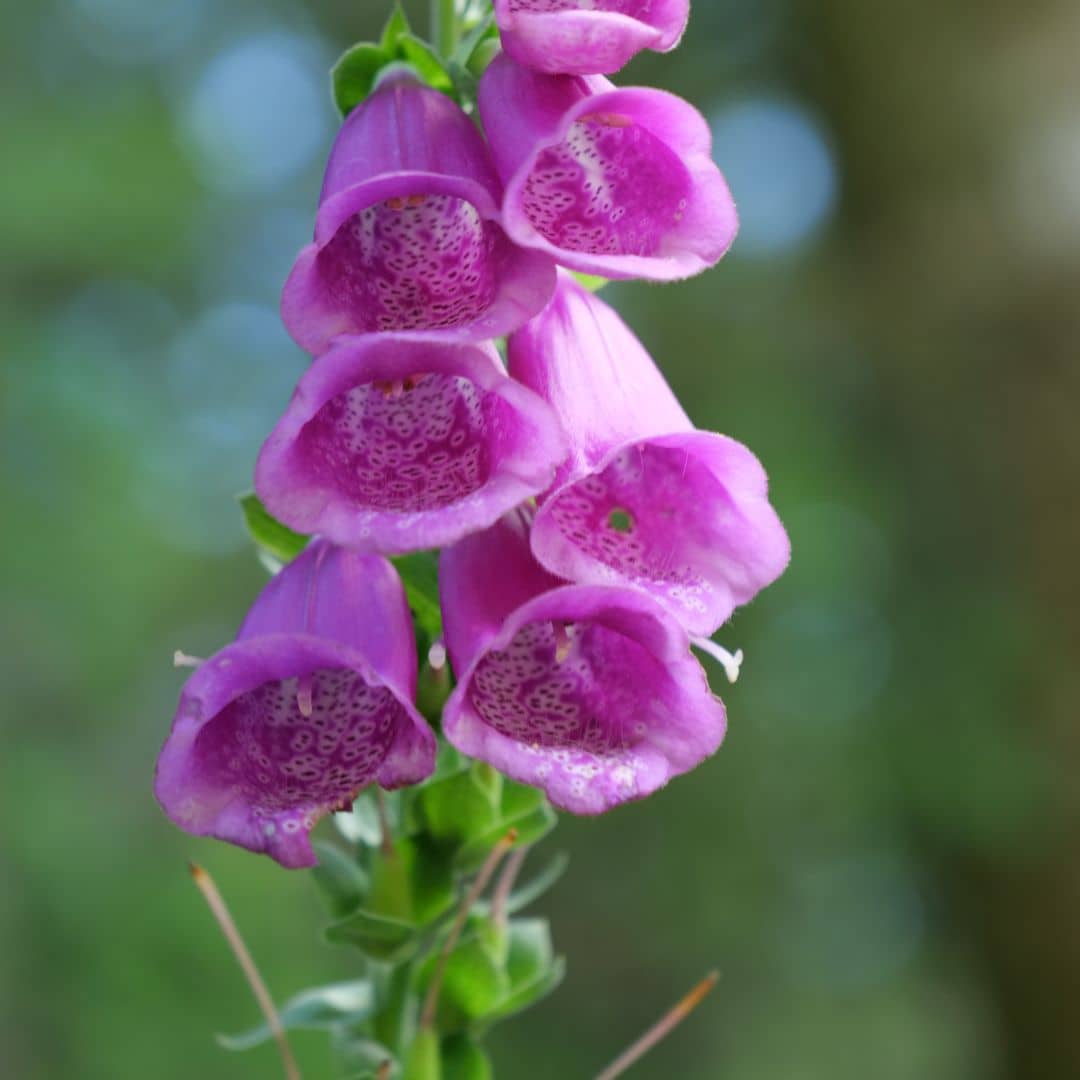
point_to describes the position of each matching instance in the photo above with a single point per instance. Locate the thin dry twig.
(491, 863)
(503, 887)
(216, 903)
(384, 1071)
(659, 1031)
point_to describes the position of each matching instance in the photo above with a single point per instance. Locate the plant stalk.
(444, 27)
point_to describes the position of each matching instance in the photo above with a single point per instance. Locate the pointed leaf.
(422, 1062)
(341, 879)
(321, 1007)
(462, 1059)
(426, 61)
(380, 936)
(396, 25)
(272, 538)
(354, 74)
(522, 808)
(528, 994)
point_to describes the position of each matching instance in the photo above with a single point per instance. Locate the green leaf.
(427, 63)
(528, 994)
(354, 74)
(357, 1055)
(529, 954)
(458, 809)
(590, 281)
(380, 936)
(420, 576)
(522, 808)
(423, 1062)
(484, 30)
(341, 879)
(396, 25)
(462, 1059)
(273, 538)
(321, 1007)
(475, 980)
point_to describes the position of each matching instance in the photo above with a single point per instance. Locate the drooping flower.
(404, 442)
(589, 692)
(644, 499)
(615, 182)
(588, 37)
(407, 235)
(311, 703)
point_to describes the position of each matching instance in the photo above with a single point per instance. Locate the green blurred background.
(882, 861)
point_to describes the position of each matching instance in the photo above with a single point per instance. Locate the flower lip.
(565, 38)
(590, 772)
(399, 443)
(685, 517)
(237, 776)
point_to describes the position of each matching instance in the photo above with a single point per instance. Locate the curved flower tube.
(396, 443)
(608, 181)
(310, 704)
(590, 693)
(408, 234)
(644, 499)
(588, 37)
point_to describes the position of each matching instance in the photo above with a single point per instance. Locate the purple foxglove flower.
(311, 703)
(407, 236)
(644, 499)
(404, 442)
(589, 692)
(588, 37)
(615, 182)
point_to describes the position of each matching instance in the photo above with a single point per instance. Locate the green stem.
(444, 27)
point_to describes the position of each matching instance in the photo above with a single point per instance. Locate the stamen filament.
(731, 662)
(304, 693)
(182, 660)
(563, 642)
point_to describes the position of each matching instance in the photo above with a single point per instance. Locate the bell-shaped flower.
(644, 499)
(589, 692)
(311, 703)
(588, 37)
(407, 235)
(608, 181)
(404, 442)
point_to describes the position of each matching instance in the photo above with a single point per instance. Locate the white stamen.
(436, 656)
(303, 697)
(182, 660)
(731, 663)
(564, 644)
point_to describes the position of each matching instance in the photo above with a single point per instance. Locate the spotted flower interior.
(416, 262)
(300, 746)
(419, 444)
(610, 187)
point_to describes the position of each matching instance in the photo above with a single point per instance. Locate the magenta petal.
(643, 500)
(586, 37)
(408, 235)
(287, 724)
(397, 443)
(589, 693)
(616, 182)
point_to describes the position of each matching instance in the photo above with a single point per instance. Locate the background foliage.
(883, 859)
